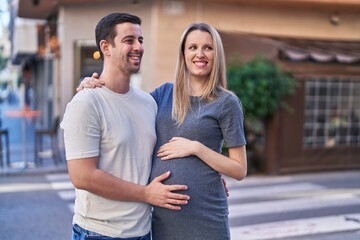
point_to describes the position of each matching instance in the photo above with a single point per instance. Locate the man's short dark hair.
(105, 29)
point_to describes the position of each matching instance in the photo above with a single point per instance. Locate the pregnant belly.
(183, 170)
(205, 188)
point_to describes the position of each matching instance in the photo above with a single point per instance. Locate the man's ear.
(104, 47)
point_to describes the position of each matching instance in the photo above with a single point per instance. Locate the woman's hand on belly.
(233, 165)
(177, 147)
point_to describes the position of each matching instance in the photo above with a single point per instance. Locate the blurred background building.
(317, 40)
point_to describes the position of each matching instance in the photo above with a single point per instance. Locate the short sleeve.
(81, 129)
(155, 94)
(232, 122)
(158, 93)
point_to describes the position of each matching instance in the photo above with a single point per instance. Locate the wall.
(234, 19)
(164, 22)
(78, 23)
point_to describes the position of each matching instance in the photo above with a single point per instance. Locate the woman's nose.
(200, 53)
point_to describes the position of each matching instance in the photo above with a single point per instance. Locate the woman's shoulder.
(227, 96)
(163, 89)
(166, 86)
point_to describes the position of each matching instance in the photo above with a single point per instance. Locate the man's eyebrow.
(128, 36)
(132, 37)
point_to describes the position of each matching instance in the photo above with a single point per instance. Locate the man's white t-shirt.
(120, 129)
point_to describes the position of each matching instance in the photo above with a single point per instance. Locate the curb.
(32, 171)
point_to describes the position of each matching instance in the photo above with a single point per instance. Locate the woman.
(196, 115)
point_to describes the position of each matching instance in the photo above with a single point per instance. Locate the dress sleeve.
(159, 92)
(232, 122)
(81, 127)
(155, 94)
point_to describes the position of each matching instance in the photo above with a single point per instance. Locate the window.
(332, 110)
(84, 63)
(89, 65)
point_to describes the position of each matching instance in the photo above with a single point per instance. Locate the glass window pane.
(332, 112)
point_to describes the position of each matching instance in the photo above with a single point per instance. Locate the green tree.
(261, 86)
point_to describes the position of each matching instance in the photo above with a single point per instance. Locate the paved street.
(319, 206)
(316, 206)
(303, 206)
(32, 209)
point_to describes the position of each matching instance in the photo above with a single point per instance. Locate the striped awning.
(320, 51)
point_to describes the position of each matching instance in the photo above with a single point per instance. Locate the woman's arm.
(234, 166)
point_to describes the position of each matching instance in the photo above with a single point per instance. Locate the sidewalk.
(62, 168)
(17, 164)
(16, 148)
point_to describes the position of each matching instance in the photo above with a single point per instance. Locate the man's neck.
(116, 81)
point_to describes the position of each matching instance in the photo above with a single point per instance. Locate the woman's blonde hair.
(216, 79)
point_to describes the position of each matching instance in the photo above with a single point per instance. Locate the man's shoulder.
(89, 93)
(140, 92)
(81, 106)
(142, 95)
(85, 97)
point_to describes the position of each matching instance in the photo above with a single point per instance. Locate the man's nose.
(138, 46)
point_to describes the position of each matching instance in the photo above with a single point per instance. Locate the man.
(109, 137)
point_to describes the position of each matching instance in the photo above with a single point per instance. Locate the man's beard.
(132, 68)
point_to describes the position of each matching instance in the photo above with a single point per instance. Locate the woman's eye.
(192, 48)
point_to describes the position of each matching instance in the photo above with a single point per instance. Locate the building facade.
(317, 40)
